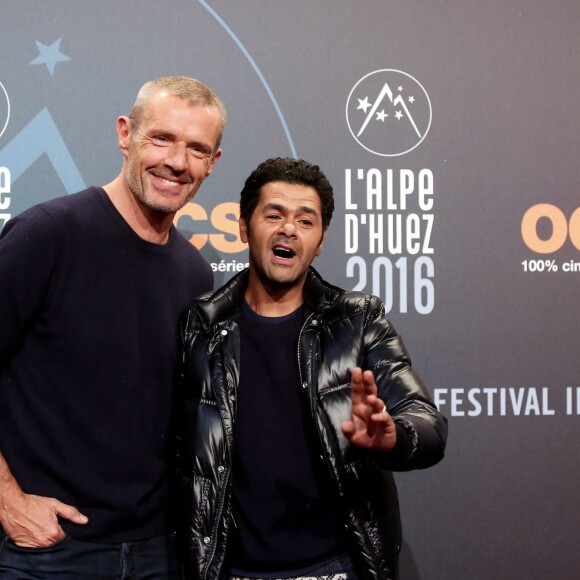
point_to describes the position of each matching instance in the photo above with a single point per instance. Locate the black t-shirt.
(285, 510)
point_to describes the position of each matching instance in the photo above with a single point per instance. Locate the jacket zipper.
(323, 450)
(218, 518)
(303, 383)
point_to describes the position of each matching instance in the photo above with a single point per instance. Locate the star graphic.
(363, 104)
(400, 88)
(398, 114)
(49, 55)
(411, 99)
(381, 116)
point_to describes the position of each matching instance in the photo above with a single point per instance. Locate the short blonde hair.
(192, 90)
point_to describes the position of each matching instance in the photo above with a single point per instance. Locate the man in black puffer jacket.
(296, 401)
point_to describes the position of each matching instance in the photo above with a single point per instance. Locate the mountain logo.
(388, 112)
(4, 109)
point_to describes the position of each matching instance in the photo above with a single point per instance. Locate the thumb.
(71, 513)
(348, 429)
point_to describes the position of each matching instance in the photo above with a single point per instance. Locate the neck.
(273, 301)
(150, 225)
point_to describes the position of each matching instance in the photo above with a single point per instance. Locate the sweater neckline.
(130, 233)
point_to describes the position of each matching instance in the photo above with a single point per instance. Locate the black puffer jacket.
(343, 330)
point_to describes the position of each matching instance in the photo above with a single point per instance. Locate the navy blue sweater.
(286, 518)
(88, 343)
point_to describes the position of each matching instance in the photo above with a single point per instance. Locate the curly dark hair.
(289, 170)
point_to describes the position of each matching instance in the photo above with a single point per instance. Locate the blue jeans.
(70, 559)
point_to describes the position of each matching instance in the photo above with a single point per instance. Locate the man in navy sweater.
(91, 289)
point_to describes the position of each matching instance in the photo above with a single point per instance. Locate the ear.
(243, 230)
(124, 134)
(213, 161)
(319, 249)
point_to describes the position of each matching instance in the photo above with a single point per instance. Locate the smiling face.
(284, 237)
(170, 153)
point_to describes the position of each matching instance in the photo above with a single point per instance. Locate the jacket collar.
(225, 302)
(318, 293)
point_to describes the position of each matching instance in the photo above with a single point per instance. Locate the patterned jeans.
(339, 569)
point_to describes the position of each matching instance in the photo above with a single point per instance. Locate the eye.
(199, 151)
(160, 139)
(305, 222)
(272, 217)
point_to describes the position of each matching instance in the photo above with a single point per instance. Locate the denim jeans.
(70, 559)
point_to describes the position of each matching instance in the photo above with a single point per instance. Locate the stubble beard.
(273, 282)
(136, 186)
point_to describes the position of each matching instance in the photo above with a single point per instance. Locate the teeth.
(169, 182)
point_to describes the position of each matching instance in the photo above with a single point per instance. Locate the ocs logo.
(560, 228)
(223, 218)
(4, 109)
(388, 112)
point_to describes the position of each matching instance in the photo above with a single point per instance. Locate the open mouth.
(284, 253)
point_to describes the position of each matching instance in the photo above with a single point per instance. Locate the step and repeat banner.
(450, 132)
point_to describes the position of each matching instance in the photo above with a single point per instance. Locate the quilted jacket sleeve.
(421, 429)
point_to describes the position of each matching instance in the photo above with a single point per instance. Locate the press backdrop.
(450, 131)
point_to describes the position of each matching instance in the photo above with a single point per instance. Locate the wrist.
(10, 493)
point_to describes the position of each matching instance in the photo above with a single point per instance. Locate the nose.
(288, 228)
(176, 157)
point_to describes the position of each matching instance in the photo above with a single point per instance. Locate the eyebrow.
(283, 209)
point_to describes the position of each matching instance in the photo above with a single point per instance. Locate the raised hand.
(370, 425)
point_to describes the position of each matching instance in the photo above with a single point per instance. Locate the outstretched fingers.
(370, 424)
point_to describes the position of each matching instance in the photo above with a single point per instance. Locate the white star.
(398, 114)
(400, 88)
(381, 116)
(49, 55)
(363, 104)
(411, 99)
